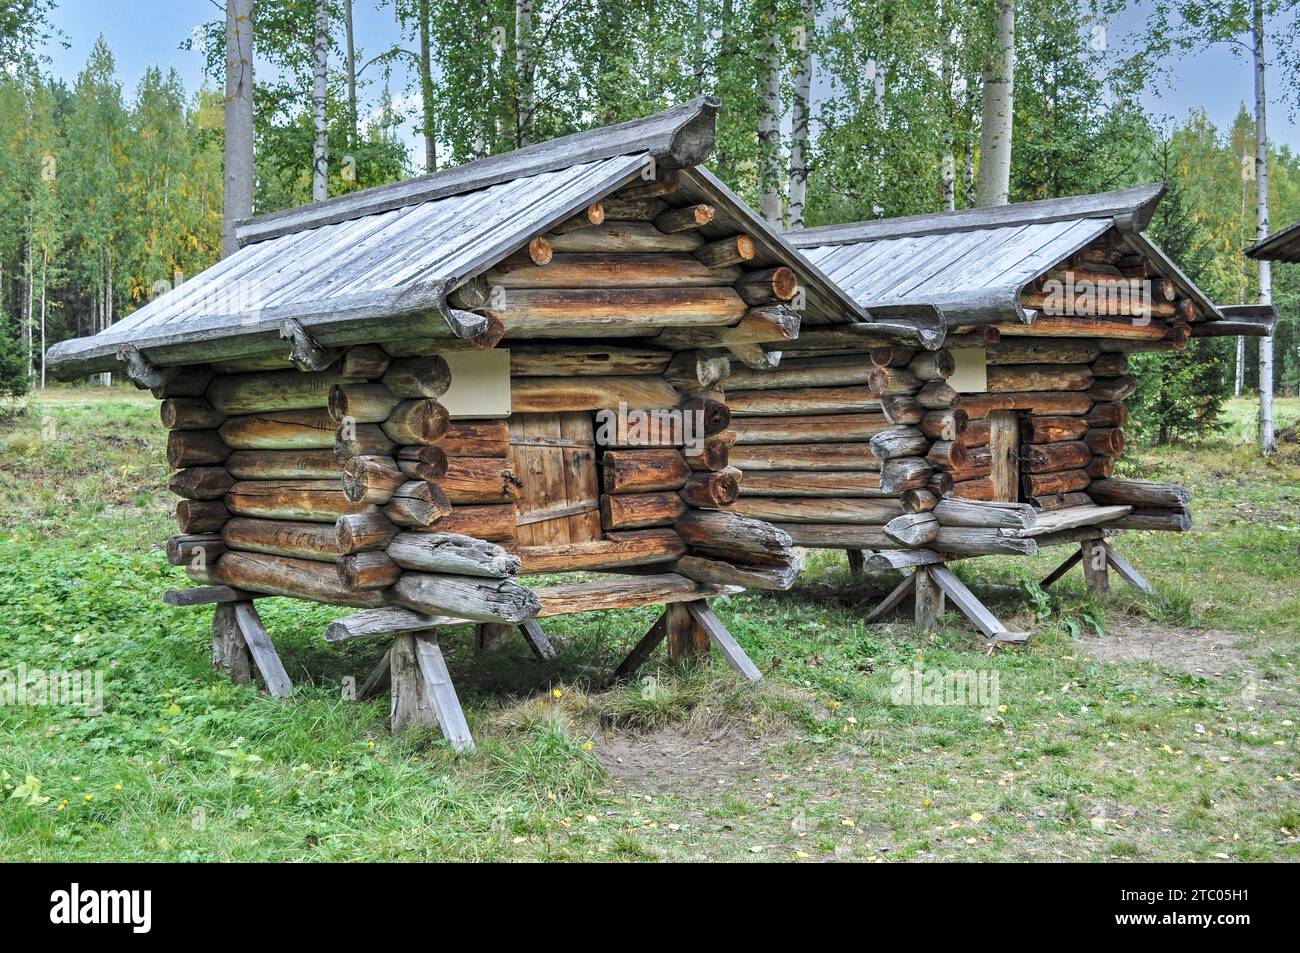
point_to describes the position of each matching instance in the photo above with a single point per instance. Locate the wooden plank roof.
(1280, 246)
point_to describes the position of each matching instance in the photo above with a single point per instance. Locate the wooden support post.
(263, 652)
(1062, 569)
(537, 639)
(717, 633)
(1094, 566)
(378, 680)
(641, 651)
(488, 635)
(441, 693)
(408, 707)
(896, 596)
(1126, 571)
(965, 600)
(229, 653)
(686, 640)
(857, 564)
(929, 597)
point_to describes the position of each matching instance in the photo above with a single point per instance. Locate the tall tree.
(320, 90)
(350, 65)
(769, 120)
(1267, 436)
(802, 107)
(238, 176)
(996, 118)
(524, 67)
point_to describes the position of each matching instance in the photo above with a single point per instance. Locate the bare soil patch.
(671, 760)
(1212, 653)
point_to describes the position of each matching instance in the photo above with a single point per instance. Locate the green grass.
(1082, 759)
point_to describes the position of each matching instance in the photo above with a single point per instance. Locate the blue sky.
(142, 34)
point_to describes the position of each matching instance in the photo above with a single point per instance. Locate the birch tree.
(769, 121)
(799, 120)
(1267, 435)
(237, 202)
(994, 186)
(524, 67)
(350, 66)
(320, 142)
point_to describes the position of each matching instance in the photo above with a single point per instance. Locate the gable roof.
(378, 264)
(974, 263)
(1280, 246)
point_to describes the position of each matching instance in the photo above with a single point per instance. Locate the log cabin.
(1005, 440)
(1282, 245)
(411, 399)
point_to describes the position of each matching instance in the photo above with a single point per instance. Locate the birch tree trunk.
(1240, 383)
(799, 124)
(769, 128)
(45, 268)
(426, 92)
(351, 67)
(237, 201)
(1267, 437)
(524, 70)
(948, 165)
(319, 149)
(995, 124)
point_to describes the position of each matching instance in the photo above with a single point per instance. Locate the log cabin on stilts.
(400, 400)
(1012, 430)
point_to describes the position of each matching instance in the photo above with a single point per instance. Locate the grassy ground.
(1129, 728)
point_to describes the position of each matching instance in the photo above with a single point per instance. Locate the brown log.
(189, 413)
(476, 438)
(356, 532)
(976, 433)
(633, 237)
(199, 549)
(195, 448)
(362, 403)
(1072, 403)
(913, 529)
(834, 536)
(846, 483)
(806, 456)
(318, 541)
(1051, 457)
(802, 400)
(1143, 494)
(584, 312)
(417, 421)
(1045, 325)
(727, 251)
(718, 572)
(365, 362)
(940, 483)
(1169, 521)
(1043, 351)
(693, 371)
(643, 471)
(593, 214)
(948, 455)
(1108, 415)
(767, 285)
(1063, 481)
(616, 271)
(971, 541)
(1051, 429)
(201, 516)
(317, 501)
(903, 410)
(422, 462)
(538, 252)
(979, 488)
(665, 183)
(368, 570)
(945, 424)
(936, 395)
(1113, 389)
(933, 365)
(640, 510)
(200, 483)
(1113, 364)
(1101, 468)
(356, 440)
(712, 490)
(475, 598)
(684, 219)
(1106, 442)
(836, 371)
(714, 452)
(712, 415)
(892, 382)
(494, 522)
(632, 210)
(787, 509)
(296, 578)
(570, 360)
(412, 377)
(834, 428)
(371, 479)
(278, 390)
(734, 536)
(452, 553)
(189, 381)
(281, 430)
(919, 501)
(283, 465)
(417, 503)
(480, 480)
(770, 324)
(616, 551)
(561, 394)
(1013, 378)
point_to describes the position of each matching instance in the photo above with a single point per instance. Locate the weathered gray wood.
(913, 529)
(441, 693)
(976, 513)
(264, 655)
(452, 553)
(929, 596)
(408, 706)
(388, 620)
(379, 679)
(229, 652)
(727, 645)
(536, 639)
(1075, 516)
(641, 651)
(970, 606)
(901, 559)
(205, 595)
(477, 598)
(1094, 563)
(1126, 570)
(304, 351)
(719, 572)
(857, 563)
(1070, 562)
(900, 592)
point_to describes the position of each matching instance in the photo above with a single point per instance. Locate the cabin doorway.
(555, 457)
(1004, 450)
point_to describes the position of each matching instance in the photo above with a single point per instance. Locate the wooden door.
(555, 457)
(1004, 447)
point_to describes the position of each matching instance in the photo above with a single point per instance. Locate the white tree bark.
(351, 67)
(995, 125)
(320, 145)
(799, 123)
(45, 268)
(1267, 436)
(426, 91)
(238, 175)
(948, 164)
(1240, 383)
(769, 129)
(524, 68)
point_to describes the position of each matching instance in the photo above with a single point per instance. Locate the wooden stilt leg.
(950, 585)
(857, 564)
(441, 693)
(1125, 570)
(641, 651)
(1095, 574)
(537, 640)
(488, 635)
(719, 636)
(264, 655)
(900, 592)
(929, 599)
(408, 708)
(1061, 570)
(378, 680)
(685, 638)
(229, 653)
